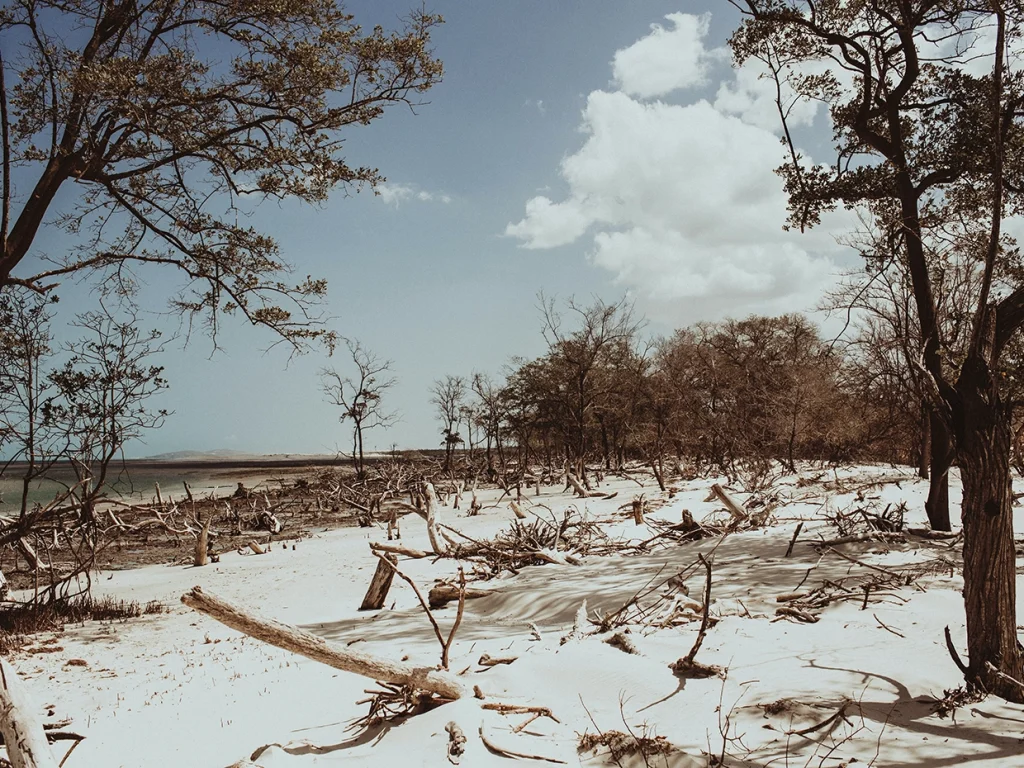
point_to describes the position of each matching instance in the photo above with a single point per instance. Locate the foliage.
(167, 116)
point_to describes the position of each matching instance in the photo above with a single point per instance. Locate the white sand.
(179, 689)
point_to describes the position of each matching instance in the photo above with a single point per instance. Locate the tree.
(360, 398)
(448, 396)
(929, 151)
(82, 411)
(166, 115)
(603, 329)
(490, 414)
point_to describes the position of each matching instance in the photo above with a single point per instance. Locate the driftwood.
(380, 584)
(638, 509)
(735, 510)
(398, 549)
(430, 679)
(517, 510)
(688, 666)
(928, 533)
(792, 542)
(456, 742)
(202, 542)
(582, 492)
(579, 625)
(442, 594)
(24, 737)
(492, 661)
(438, 544)
(859, 537)
(256, 548)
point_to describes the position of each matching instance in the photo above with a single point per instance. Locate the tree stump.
(380, 584)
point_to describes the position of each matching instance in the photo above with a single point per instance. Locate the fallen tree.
(443, 684)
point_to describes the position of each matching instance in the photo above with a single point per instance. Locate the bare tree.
(82, 411)
(921, 141)
(490, 414)
(448, 396)
(601, 328)
(166, 116)
(360, 397)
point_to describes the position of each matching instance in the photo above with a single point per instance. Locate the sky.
(581, 148)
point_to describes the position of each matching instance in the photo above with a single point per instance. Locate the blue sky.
(571, 148)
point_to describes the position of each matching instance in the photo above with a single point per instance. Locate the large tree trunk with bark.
(990, 573)
(937, 505)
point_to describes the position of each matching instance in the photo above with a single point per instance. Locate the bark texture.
(990, 574)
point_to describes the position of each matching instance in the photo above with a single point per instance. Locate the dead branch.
(853, 539)
(953, 654)
(439, 682)
(398, 549)
(687, 666)
(456, 742)
(792, 542)
(503, 752)
(735, 510)
(442, 594)
(886, 627)
(430, 499)
(488, 661)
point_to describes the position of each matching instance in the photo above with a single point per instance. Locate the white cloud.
(752, 93)
(684, 204)
(395, 194)
(667, 59)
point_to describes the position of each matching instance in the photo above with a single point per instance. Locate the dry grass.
(21, 620)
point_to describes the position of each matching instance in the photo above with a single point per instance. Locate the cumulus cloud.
(682, 201)
(667, 59)
(751, 95)
(395, 194)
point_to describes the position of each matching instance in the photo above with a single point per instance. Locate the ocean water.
(138, 484)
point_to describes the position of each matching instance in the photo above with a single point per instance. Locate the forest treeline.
(734, 396)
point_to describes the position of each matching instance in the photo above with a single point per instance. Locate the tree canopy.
(169, 116)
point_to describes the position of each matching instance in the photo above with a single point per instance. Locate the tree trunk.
(937, 505)
(990, 575)
(924, 449)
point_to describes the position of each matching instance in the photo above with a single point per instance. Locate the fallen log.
(24, 737)
(334, 655)
(582, 492)
(735, 510)
(256, 548)
(398, 549)
(859, 537)
(928, 533)
(442, 594)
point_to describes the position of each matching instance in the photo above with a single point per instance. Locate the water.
(139, 483)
